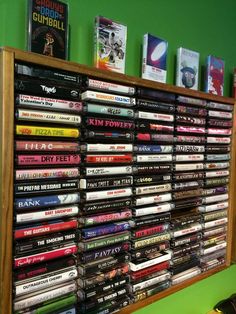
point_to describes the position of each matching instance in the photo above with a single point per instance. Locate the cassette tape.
(188, 176)
(175, 270)
(215, 223)
(191, 157)
(108, 98)
(46, 201)
(33, 130)
(148, 231)
(155, 137)
(215, 198)
(155, 105)
(187, 193)
(41, 146)
(155, 94)
(153, 158)
(214, 255)
(185, 219)
(154, 116)
(95, 122)
(106, 194)
(187, 203)
(106, 171)
(113, 159)
(215, 230)
(190, 239)
(143, 169)
(190, 129)
(190, 139)
(140, 243)
(189, 167)
(216, 105)
(220, 123)
(141, 180)
(108, 110)
(189, 149)
(218, 140)
(192, 111)
(187, 274)
(154, 127)
(213, 240)
(151, 189)
(187, 185)
(195, 227)
(190, 120)
(192, 101)
(106, 205)
(186, 249)
(213, 263)
(217, 149)
(151, 291)
(214, 215)
(140, 201)
(30, 85)
(150, 210)
(150, 252)
(216, 181)
(214, 248)
(151, 219)
(112, 148)
(136, 265)
(216, 190)
(42, 160)
(220, 114)
(212, 131)
(217, 165)
(109, 135)
(141, 274)
(218, 173)
(48, 103)
(147, 149)
(109, 86)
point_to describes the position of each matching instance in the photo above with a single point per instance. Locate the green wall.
(207, 26)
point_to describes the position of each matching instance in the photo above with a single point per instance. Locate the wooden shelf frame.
(8, 57)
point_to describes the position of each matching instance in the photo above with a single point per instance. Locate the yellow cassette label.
(46, 131)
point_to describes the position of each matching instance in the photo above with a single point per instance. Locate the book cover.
(214, 76)
(48, 28)
(109, 45)
(154, 58)
(187, 68)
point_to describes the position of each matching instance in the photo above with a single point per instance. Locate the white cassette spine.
(107, 98)
(155, 116)
(106, 86)
(150, 282)
(109, 148)
(214, 248)
(220, 114)
(186, 167)
(153, 209)
(196, 157)
(153, 189)
(96, 171)
(210, 208)
(154, 158)
(107, 194)
(154, 199)
(215, 198)
(194, 228)
(219, 173)
(151, 262)
(214, 223)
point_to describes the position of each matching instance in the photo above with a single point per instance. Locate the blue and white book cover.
(154, 58)
(187, 68)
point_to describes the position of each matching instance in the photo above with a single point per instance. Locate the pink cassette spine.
(219, 131)
(26, 160)
(30, 174)
(189, 129)
(109, 217)
(218, 140)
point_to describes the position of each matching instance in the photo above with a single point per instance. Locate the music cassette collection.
(119, 192)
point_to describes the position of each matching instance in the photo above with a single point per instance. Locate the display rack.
(8, 58)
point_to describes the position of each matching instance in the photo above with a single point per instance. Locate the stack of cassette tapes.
(190, 121)
(46, 202)
(106, 192)
(152, 193)
(215, 201)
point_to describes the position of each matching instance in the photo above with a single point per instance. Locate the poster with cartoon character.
(215, 76)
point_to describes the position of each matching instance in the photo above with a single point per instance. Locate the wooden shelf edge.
(136, 306)
(112, 76)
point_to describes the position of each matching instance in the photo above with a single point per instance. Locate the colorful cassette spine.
(31, 245)
(44, 228)
(106, 229)
(46, 201)
(143, 211)
(137, 244)
(150, 231)
(149, 189)
(107, 194)
(192, 238)
(189, 167)
(22, 288)
(219, 173)
(124, 158)
(46, 73)
(190, 120)
(109, 110)
(45, 187)
(217, 165)
(215, 157)
(140, 148)
(27, 160)
(220, 114)
(139, 201)
(150, 282)
(46, 146)
(105, 252)
(220, 123)
(106, 135)
(189, 149)
(111, 87)
(190, 139)
(214, 240)
(45, 256)
(190, 129)
(152, 169)
(34, 174)
(31, 130)
(154, 137)
(191, 111)
(215, 215)
(153, 158)
(109, 123)
(216, 190)
(103, 183)
(218, 140)
(117, 148)
(219, 131)
(216, 181)
(215, 105)
(43, 116)
(103, 241)
(188, 176)
(192, 101)
(187, 194)
(107, 205)
(103, 218)
(151, 220)
(103, 171)
(153, 127)
(155, 116)
(37, 270)
(108, 98)
(151, 179)
(46, 214)
(51, 103)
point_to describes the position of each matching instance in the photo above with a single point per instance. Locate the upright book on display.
(154, 58)
(214, 76)
(109, 45)
(187, 67)
(48, 28)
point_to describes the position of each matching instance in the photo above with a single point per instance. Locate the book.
(187, 68)
(109, 44)
(48, 28)
(214, 83)
(154, 58)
